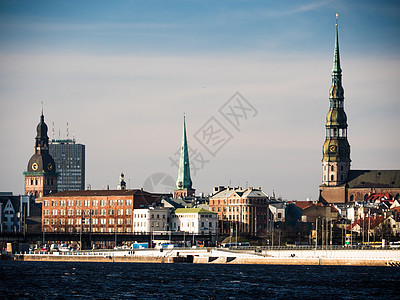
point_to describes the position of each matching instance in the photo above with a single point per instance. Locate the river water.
(66, 280)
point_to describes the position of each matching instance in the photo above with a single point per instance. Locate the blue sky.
(122, 74)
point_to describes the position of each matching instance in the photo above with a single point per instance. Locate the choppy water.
(44, 280)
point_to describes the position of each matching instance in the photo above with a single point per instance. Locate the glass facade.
(70, 164)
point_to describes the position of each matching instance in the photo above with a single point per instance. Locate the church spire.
(336, 70)
(184, 182)
(336, 149)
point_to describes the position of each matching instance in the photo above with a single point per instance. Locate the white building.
(194, 220)
(147, 220)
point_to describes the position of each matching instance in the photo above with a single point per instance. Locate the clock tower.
(336, 150)
(41, 176)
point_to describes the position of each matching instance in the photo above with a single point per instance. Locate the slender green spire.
(184, 181)
(336, 70)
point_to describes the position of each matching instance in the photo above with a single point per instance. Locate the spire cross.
(42, 108)
(337, 16)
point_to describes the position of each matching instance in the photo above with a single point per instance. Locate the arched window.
(331, 177)
(341, 177)
(352, 198)
(341, 168)
(332, 168)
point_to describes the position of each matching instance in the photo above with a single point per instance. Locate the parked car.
(63, 248)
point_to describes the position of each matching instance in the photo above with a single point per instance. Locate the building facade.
(94, 210)
(340, 184)
(152, 219)
(41, 176)
(69, 158)
(244, 211)
(194, 220)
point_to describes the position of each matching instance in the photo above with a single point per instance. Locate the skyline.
(133, 69)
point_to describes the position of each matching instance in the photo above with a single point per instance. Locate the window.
(46, 222)
(103, 202)
(86, 203)
(46, 212)
(128, 211)
(62, 202)
(70, 221)
(279, 215)
(95, 221)
(53, 202)
(111, 202)
(103, 221)
(332, 177)
(120, 212)
(111, 212)
(54, 212)
(62, 212)
(70, 203)
(127, 221)
(111, 221)
(120, 202)
(332, 168)
(128, 202)
(103, 212)
(78, 202)
(78, 212)
(70, 212)
(120, 221)
(95, 202)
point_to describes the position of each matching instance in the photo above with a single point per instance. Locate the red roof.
(375, 221)
(378, 196)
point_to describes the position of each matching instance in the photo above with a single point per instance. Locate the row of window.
(93, 221)
(87, 212)
(238, 201)
(87, 202)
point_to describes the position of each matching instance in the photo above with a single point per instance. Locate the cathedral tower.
(184, 182)
(336, 149)
(41, 176)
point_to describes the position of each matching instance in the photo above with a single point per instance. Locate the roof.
(193, 211)
(101, 193)
(374, 178)
(303, 204)
(378, 196)
(374, 221)
(243, 193)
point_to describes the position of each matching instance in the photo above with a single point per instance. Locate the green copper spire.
(184, 181)
(336, 149)
(336, 70)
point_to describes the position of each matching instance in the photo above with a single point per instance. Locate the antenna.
(52, 130)
(73, 136)
(42, 107)
(67, 131)
(337, 16)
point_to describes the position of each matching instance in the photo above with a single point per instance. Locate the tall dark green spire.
(336, 57)
(184, 181)
(336, 149)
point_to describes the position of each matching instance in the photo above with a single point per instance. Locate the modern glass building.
(70, 164)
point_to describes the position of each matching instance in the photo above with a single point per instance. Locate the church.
(41, 176)
(341, 184)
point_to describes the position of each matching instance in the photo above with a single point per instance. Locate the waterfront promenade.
(250, 255)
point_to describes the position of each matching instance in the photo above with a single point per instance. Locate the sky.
(251, 77)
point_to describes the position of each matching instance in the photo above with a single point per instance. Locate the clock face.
(49, 166)
(332, 148)
(34, 166)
